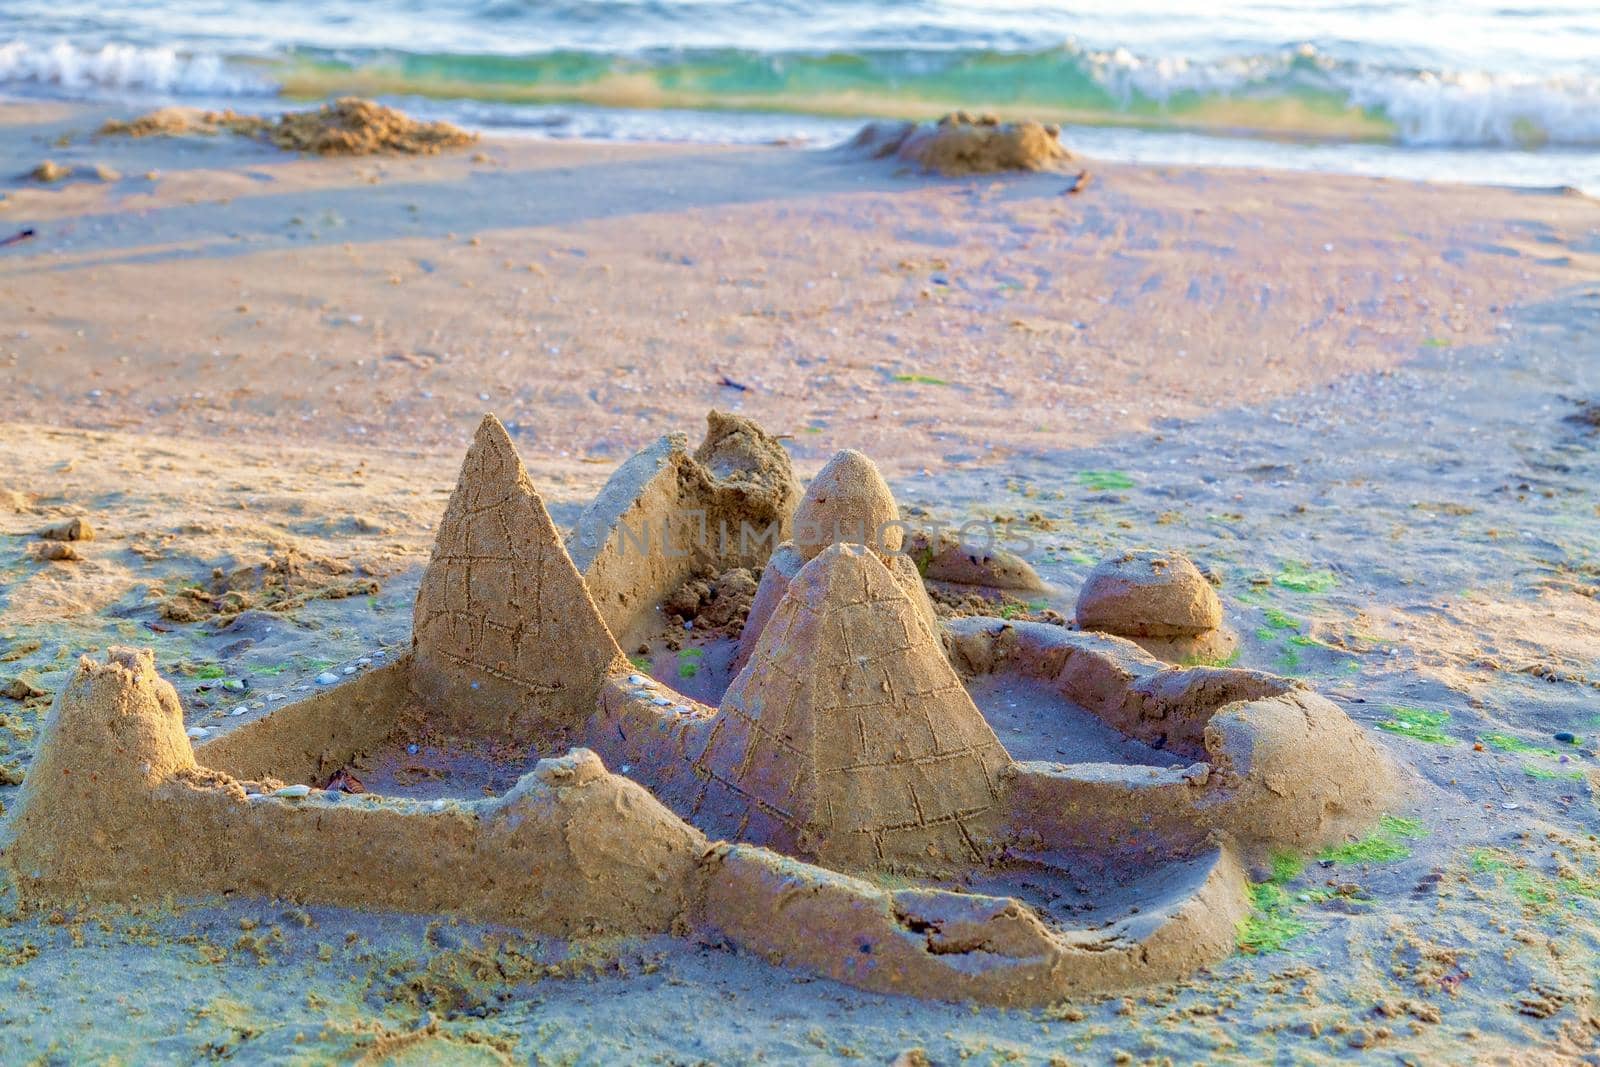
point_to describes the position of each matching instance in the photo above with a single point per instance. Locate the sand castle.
(1004, 811)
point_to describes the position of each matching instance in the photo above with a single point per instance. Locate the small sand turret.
(848, 502)
(1159, 600)
(87, 817)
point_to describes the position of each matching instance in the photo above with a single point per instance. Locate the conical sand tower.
(848, 738)
(87, 817)
(508, 643)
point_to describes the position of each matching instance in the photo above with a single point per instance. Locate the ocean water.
(1484, 90)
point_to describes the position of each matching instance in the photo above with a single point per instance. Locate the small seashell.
(293, 792)
(660, 702)
(638, 679)
(197, 731)
(240, 710)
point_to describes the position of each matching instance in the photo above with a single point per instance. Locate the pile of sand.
(284, 582)
(183, 121)
(960, 144)
(49, 172)
(718, 605)
(347, 127)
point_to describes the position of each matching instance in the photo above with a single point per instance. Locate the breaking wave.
(1296, 93)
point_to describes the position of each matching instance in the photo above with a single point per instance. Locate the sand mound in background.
(183, 121)
(960, 144)
(347, 127)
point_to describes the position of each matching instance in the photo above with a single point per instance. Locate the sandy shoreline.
(1375, 457)
(590, 293)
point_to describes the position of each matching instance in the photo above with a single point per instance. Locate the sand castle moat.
(725, 707)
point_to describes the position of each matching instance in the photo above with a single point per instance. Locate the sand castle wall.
(311, 739)
(668, 515)
(1276, 765)
(950, 946)
(118, 807)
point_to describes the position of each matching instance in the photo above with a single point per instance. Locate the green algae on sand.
(1105, 481)
(1272, 923)
(1418, 724)
(1302, 579)
(1386, 844)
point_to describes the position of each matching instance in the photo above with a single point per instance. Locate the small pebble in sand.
(50, 171)
(70, 530)
(348, 670)
(235, 684)
(258, 705)
(363, 662)
(240, 710)
(412, 750)
(660, 702)
(293, 791)
(276, 697)
(684, 709)
(1566, 738)
(379, 653)
(197, 731)
(638, 679)
(438, 805)
(327, 678)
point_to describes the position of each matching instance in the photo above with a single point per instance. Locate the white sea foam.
(112, 67)
(1481, 110)
(1427, 109)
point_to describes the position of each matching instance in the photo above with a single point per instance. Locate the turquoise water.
(1422, 88)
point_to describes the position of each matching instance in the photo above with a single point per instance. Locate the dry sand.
(593, 294)
(1346, 399)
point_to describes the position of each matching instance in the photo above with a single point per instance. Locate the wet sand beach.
(1364, 407)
